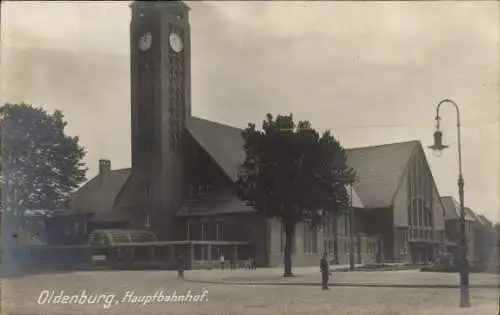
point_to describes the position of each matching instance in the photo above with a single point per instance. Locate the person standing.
(221, 262)
(325, 272)
(180, 266)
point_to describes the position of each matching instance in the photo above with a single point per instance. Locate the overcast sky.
(372, 72)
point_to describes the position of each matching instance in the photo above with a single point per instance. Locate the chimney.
(104, 168)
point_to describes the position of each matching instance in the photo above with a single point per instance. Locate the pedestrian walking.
(221, 260)
(180, 266)
(325, 272)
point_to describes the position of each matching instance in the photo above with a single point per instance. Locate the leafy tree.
(41, 165)
(293, 173)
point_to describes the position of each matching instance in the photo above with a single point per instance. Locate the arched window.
(420, 212)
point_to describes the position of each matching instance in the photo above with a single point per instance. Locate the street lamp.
(438, 146)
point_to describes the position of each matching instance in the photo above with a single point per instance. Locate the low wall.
(153, 255)
(85, 257)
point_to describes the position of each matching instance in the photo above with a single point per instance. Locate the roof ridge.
(385, 145)
(122, 169)
(218, 123)
(355, 148)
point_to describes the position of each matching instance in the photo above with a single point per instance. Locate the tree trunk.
(335, 240)
(289, 234)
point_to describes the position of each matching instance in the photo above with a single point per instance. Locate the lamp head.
(438, 142)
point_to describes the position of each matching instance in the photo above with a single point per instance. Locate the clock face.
(176, 42)
(145, 41)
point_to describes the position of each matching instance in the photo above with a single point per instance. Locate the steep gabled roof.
(98, 195)
(380, 170)
(451, 208)
(222, 142)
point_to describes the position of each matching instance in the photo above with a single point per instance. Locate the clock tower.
(160, 100)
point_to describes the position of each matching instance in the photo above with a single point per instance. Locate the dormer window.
(200, 190)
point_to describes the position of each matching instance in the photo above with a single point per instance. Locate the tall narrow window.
(419, 211)
(410, 221)
(204, 231)
(147, 188)
(306, 237)
(314, 239)
(77, 227)
(415, 215)
(220, 231)
(347, 220)
(282, 238)
(147, 222)
(426, 216)
(188, 231)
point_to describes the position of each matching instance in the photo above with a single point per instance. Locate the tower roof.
(160, 4)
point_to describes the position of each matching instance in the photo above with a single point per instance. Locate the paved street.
(311, 276)
(20, 295)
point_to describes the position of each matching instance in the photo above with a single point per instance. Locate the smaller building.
(485, 241)
(453, 232)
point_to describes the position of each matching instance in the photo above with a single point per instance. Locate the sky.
(371, 72)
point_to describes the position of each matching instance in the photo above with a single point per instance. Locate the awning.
(117, 214)
(212, 206)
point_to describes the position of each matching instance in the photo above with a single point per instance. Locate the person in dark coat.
(180, 266)
(325, 272)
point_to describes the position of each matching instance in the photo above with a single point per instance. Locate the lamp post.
(438, 146)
